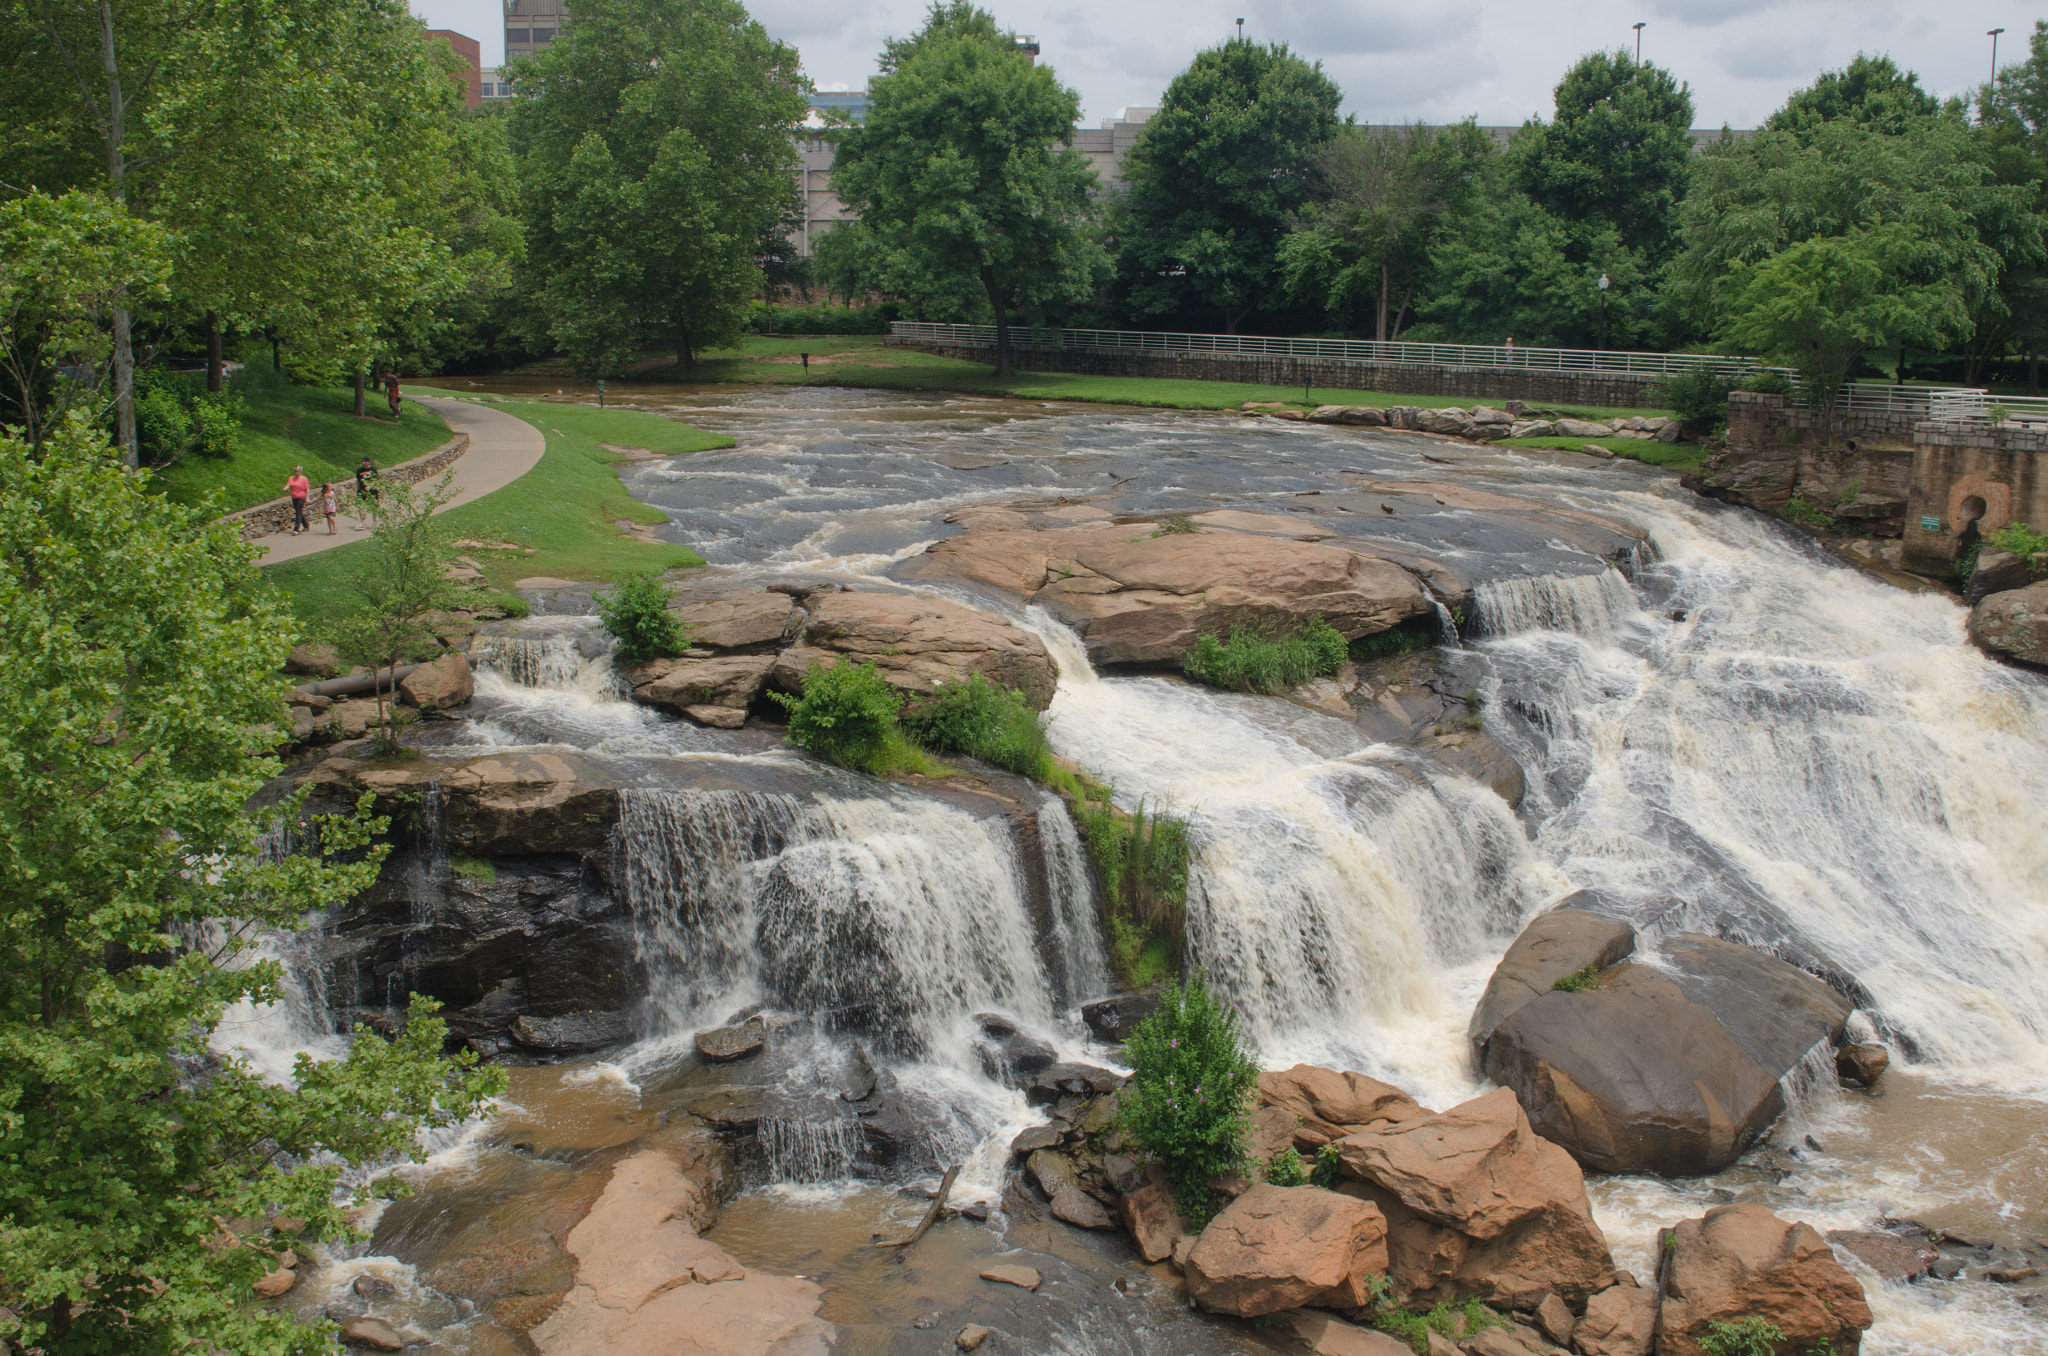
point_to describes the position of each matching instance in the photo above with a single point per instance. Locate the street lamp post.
(1240, 30)
(1639, 44)
(1993, 35)
(1603, 311)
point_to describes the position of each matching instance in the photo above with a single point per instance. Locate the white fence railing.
(1981, 407)
(1396, 352)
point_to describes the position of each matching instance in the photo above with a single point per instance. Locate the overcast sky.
(1436, 61)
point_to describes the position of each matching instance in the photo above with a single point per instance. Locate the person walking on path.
(366, 493)
(298, 487)
(328, 506)
(391, 393)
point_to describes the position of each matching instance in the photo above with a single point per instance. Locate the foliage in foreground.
(637, 614)
(138, 666)
(1751, 1336)
(1142, 861)
(982, 720)
(1253, 662)
(846, 715)
(1189, 1097)
(2018, 539)
(1454, 1321)
(399, 587)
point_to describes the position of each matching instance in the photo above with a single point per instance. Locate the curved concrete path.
(501, 449)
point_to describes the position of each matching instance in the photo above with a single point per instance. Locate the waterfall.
(1593, 605)
(1081, 967)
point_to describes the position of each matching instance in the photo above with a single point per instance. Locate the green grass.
(1683, 458)
(863, 360)
(1579, 980)
(567, 508)
(1251, 662)
(1414, 1328)
(283, 426)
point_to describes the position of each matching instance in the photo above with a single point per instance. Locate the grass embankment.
(285, 426)
(863, 360)
(567, 508)
(1683, 458)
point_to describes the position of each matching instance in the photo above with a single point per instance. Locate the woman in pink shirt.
(298, 487)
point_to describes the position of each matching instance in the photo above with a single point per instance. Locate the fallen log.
(357, 682)
(931, 1216)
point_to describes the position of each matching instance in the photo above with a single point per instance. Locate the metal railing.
(1392, 352)
(1964, 406)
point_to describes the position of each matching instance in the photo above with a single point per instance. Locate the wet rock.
(1010, 1056)
(919, 642)
(275, 1283)
(445, 683)
(1327, 1105)
(1026, 1277)
(1671, 1070)
(896, 1125)
(1056, 1080)
(1154, 1223)
(1481, 759)
(1891, 1257)
(2014, 623)
(2011, 1275)
(1740, 1261)
(1619, 1321)
(1555, 944)
(722, 1045)
(576, 1033)
(730, 620)
(1862, 1063)
(1997, 572)
(725, 683)
(511, 804)
(1056, 1177)
(1276, 1248)
(1037, 1137)
(1948, 1268)
(374, 1288)
(1111, 1019)
(971, 1337)
(371, 1334)
(1328, 1335)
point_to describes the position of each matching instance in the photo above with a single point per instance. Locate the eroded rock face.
(445, 683)
(1554, 945)
(2014, 623)
(1619, 1321)
(507, 803)
(1669, 1070)
(1318, 1105)
(1741, 1260)
(1143, 599)
(1481, 759)
(919, 642)
(1278, 1248)
(646, 1284)
(730, 620)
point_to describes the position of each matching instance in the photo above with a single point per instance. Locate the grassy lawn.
(567, 508)
(1683, 458)
(308, 426)
(863, 360)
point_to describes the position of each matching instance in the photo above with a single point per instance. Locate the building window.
(518, 35)
(541, 35)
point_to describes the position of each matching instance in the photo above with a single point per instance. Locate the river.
(1727, 730)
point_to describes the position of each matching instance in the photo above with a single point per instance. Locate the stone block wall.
(1614, 390)
(276, 514)
(1972, 475)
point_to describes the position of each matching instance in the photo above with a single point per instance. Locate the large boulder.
(1741, 1261)
(1276, 1248)
(701, 688)
(1619, 1321)
(1319, 1105)
(1478, 1204)
(501, 803)
(1482, 759)
(1672, 1070)
(1559, 943)
(2014, 623)
(1143, 599)
(445, 683)
(750, 617)
(918, 643)
(313, 661)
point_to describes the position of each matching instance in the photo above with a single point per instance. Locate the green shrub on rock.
(637, 613)
(1699, 397)
(847, 715)
(982, 720)
(1188, 1100)
(2018, 539)
(1751, 1337)
(1285, 1169)
(1252, 662)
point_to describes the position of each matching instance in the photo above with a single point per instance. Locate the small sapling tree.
(1192, 1075)
(399, 589)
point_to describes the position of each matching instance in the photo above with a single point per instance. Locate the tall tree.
(656, 154)
(1217, 178)
(1389, 198)
(1871, 90)
(965, 178)
(146, 1173)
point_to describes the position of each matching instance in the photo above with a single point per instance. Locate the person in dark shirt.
(366, 490)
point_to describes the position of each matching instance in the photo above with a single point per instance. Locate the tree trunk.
(1899, 372)
(117, 189)
(359, 391)
(1386, 286)
(685, 356)
(1401, 317)
(1004, 368)
(276, 351)
(216, 368)
(2033, 368)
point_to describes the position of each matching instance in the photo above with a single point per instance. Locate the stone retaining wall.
(1622, 390)
(1967, 475)
(276, 515)
(1760, 422)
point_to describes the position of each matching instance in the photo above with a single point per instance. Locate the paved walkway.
(501, 449)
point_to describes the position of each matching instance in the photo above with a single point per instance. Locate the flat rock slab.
(1892, 1257)
(1328, 1335)
(722, 1045)
(1027, 1277)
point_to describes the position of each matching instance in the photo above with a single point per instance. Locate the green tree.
(400, 587)
(1189, 1099)
(656, 154)
(1217, 178)
(1870, 90)
(965, 179)
(145, 1173)
(1389, 199)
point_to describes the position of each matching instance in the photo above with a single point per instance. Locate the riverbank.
(569, 517)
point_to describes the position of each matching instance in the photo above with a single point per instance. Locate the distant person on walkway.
(328, 506)
(1510, 347)
(298, 487)
(366, 493)
(391, 393)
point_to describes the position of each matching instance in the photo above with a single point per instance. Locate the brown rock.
(373, 1334)
(718, 717)
(728, 681)
(1740, 1261)
(1554, 1320)
(1328, 1335)
(1027, 1277)
(1555, 944)
(1436, 1344)
(1892, 1257)
(2014, 623)
(1582, 428)
(352, 718)
(509, 803)
(726, 621)
(314, 661)
(1277, 1248)
(1330, 1105)
(920, 642)
(275, 1283)
(971, 1337)
(1495, 1342)
(723, 1044)
(2011, 1275)
(1480, 758)
(1154, 1223)
(1864, 1062)
(1183, 1247)
(1348, 414)
(1619, 1321)
(445, 683)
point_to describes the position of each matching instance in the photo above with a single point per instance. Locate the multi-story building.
(495, 85)
(531, 25)
(471, 55)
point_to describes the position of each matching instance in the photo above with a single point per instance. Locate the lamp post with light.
(1639, 44)
(1603, 311)
(1993, 35)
